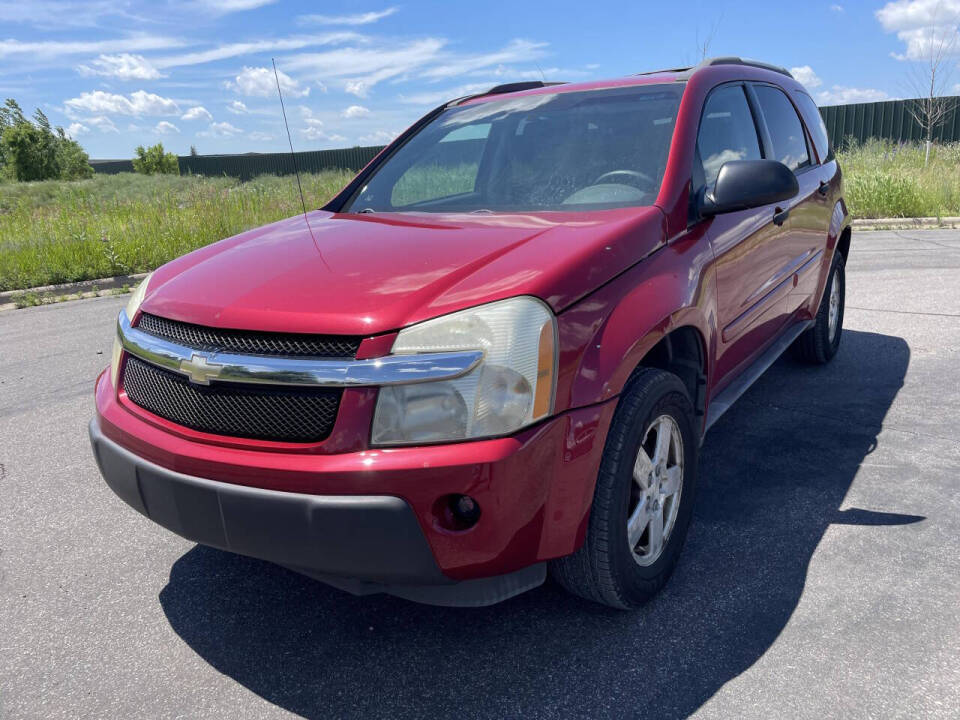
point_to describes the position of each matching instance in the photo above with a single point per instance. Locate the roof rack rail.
(734, 60)
(665, 70)
(507, 88)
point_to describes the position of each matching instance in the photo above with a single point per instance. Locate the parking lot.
(821, 577)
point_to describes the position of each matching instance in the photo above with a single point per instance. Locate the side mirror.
(744, 184)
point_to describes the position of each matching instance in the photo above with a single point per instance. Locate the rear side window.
(786, 131)
(727, 132)
(815, 124)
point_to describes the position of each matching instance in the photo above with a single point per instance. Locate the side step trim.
(730, 394)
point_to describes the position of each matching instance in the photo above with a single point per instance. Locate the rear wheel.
(643, 499)
(820, 343)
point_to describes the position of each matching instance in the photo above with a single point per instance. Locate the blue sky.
(197, 72)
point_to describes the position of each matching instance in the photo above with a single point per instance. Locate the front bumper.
(534, 489)
(363, 544)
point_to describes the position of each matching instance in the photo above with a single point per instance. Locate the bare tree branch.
(929, 75)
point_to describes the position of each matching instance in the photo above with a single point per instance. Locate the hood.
(372, 273)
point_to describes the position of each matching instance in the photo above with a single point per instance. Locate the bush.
(883, 178)
(154, 161)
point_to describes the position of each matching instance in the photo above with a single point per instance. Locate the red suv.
(498, 349)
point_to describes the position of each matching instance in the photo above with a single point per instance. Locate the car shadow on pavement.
(774, 474)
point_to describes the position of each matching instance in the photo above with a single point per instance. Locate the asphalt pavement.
(821, 577)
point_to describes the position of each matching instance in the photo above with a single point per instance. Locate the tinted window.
(815, 124)
(786, 132)
(727, 132)
(559, 151)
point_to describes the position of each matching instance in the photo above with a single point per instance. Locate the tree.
(193, 151)
(72, 159)
(33, 150)
(930, 75)
(154, 161)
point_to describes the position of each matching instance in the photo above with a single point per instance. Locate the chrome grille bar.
(202, 366)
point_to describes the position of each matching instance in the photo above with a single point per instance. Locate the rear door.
(748, 246)
(801, 248)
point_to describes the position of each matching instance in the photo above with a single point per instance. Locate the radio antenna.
(293, 155)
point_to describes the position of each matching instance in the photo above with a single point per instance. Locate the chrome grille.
(249, 342)
(291, 415)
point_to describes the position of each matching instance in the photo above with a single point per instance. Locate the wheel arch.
(682, 351)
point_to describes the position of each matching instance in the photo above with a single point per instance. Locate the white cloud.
(908, 14)
(138, 103)
(840, 95)
(360, 88)
(358, 19)
(166, 128)
(260, 136)
(261, 82)
(838, 8)
(102, 123)
(229, 50)
(922, 24)
(49, 49)
(515, 51)
(222, 7)
(237, 108)
(357, 70)
(360, 69)
(49, 14)
(221, 129)
(806, 76)
(438, 96)
(355, 111)
(77, 129)
(378, 137)
(197, 113)
(123, 67)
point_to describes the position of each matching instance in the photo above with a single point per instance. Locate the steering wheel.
(645, 180)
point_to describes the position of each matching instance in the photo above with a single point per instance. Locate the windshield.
(561, 151)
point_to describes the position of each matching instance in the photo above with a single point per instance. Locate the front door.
(750, 249)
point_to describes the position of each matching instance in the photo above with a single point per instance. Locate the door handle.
(824, 188)
(780, 216)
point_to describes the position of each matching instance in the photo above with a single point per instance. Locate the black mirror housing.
(744, 184)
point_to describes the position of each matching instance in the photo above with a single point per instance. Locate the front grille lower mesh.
(249, 342)
(291, 415)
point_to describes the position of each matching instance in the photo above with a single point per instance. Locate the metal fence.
(247, 166)
(889, 120)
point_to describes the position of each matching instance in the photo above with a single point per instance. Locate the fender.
(840, 221)
(616, 326)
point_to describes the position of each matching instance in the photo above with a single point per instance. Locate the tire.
(818, 345)
(606, 569)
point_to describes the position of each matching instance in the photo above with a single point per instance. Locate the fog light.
(456, 512)
(466, 509)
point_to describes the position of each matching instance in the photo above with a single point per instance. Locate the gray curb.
(84, 288)
(898, 223)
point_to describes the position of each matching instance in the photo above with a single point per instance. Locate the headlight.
(136, 298)
(512, 386)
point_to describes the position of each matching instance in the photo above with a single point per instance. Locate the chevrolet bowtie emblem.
(199, 370)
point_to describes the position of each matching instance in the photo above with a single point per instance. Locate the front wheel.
(820, 343)
(643, 499)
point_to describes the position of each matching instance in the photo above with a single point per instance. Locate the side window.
(815, 124)
(449, 168)
(727, 132)
(786, 131)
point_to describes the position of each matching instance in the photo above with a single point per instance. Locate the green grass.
(54, 232)
(883, 179)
